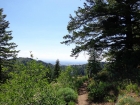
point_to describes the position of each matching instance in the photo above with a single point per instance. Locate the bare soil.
(83, 95)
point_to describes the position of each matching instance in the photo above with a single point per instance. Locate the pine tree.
(110, 26)
(105, 24)
(7, 48)
(93, 66)
(56, 69)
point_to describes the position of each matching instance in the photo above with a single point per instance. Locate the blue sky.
(39, 26)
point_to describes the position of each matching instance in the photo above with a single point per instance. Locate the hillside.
(25, 60)
(80, 68)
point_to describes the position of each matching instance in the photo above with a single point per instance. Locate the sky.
(39, 26)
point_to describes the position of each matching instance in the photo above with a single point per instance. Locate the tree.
(104, 24)
(93, 66)
(111, 26)
(7, 48)
(49, 73)
(56, 69)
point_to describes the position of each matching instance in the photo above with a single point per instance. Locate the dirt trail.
(83, 95)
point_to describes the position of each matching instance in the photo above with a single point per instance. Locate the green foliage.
(70, 78)
(49, 74)
(28, 86)
(51, 97)
(56, 69)
(71, 103)
(133, 88)
(7, 48)
(125, 65)
(97, 91)
(110, 27)
(103, 75)
(103, 25)
(93, 68)
(127, 86)
(102, 91)
(68, 94)
(80, 81)
(126, 100)
(67, 78)
(79, 69)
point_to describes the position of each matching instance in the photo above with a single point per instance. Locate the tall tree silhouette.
(105, 24)
(56, 69)
(7, 48)
(110, 26)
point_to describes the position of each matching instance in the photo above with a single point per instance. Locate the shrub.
(103, 75)
(80, 81)
(126, 86)
(49, 96)
(97, 91)
(132, 88)
(126, 100)
(91, 84)
(102, 91)
(28, 86)
(68, 94)
(67, 78)
(71, 103)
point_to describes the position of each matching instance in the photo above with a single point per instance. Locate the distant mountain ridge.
(25, 60)
(81, 68)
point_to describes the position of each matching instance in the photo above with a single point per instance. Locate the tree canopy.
(111, 25)
(57, 69)
(7, 48)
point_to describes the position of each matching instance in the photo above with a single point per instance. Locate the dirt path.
(83, 95)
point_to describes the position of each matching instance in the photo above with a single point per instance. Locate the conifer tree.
(110, 26)
(7, 48)
(56, 69)
(93, 66)
(105, 24)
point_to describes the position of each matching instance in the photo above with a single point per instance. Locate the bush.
(97, 91)
(71, 103)
(132, 88)
(80, 80)
(103, 75)
(68, 79)
(91, 84)
(102, 91)
(28, 86)
(68, 94)
(126, 86)
(126, 100)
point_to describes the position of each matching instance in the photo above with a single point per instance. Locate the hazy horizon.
(65, 62)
